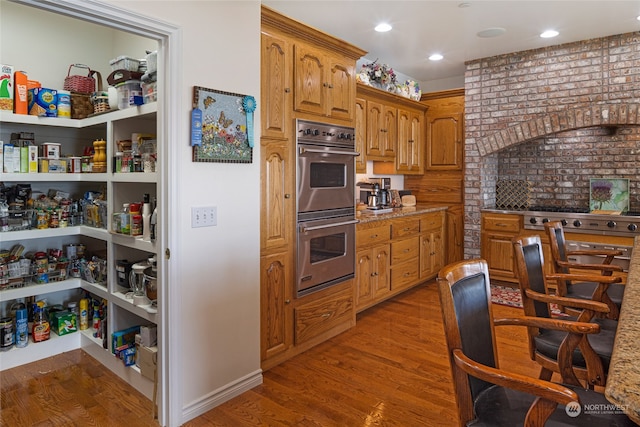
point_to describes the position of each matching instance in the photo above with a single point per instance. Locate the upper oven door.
(325, 178)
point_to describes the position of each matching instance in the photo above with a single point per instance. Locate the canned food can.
(6, 333)
(71, 251)
(80, 250)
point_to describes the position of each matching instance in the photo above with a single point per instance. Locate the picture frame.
(224, 128)
(608, 195)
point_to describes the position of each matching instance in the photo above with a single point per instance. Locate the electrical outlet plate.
(204, 216)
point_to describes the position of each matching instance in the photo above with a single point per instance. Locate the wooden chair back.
(465, 295)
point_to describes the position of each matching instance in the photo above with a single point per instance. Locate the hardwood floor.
(391, 369)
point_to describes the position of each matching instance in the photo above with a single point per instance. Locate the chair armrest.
(584, 304)
(544, 389)
(596, 252)
(600, 267)
(551, 324)
(605, 280)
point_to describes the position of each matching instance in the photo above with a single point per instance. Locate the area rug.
(506, 295)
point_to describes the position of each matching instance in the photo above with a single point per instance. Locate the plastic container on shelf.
(152, 62)
(149, 92)
(124, 63)
(127, 92)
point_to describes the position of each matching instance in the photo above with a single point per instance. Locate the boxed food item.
(149, 92)
(43, 102)
(32, 166)
(147, 360)
(6, 87)
(127, 93)
(11, 159)
(63, 322)
(50, 150)
(21, 97)
(124, 337)
(52, 165)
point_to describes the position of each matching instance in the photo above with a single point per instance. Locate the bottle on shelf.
(41, 329)
(153, 221)
(84, 314)
(125, 220)
(146, 218)
(136, 219)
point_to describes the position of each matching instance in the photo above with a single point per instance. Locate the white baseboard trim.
(221, 395)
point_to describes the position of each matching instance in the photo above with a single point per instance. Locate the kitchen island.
(623, 382)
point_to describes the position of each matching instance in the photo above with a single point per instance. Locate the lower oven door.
(622, 260)
(326, 253)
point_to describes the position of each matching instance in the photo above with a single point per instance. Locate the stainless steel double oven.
(325, 178)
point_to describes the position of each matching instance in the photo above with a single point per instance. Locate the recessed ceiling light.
(638, 17)
(383, 28)
(549, 34)
(464, 5)
(491, 32)
(436, 57)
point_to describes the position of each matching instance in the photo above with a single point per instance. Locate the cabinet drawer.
(504, 223)
(405, 228)
(372, 236)
(404, 275)
(431, 221)
(405, 250)
(320, 316)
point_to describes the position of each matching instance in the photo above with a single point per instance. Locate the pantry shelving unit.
(119, 188)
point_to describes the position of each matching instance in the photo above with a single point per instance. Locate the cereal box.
(20, 98)
(6, 87)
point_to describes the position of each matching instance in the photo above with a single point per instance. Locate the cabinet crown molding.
(274, 20)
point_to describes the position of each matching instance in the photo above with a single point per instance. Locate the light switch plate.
(204, 216)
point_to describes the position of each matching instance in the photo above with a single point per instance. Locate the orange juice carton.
(43, 102)
(20, 94)
(6, 87)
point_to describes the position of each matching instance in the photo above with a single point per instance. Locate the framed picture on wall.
(224, 129)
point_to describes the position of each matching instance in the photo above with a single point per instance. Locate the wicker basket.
(81, 105)
(80, 84)
(100, 104)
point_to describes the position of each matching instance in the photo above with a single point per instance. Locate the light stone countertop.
(368, 216)
(623, 381)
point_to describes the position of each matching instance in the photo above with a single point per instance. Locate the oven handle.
(316, 150)
(304, 229)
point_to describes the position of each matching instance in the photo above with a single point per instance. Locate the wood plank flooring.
(389, 370)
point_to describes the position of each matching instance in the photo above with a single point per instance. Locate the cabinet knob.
(330, 86)
(325, 84)
(287, 90)
(325, 315)
(373, 236)
(287, 301)
(287, 196)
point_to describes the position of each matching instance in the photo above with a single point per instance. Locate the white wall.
(218, 266)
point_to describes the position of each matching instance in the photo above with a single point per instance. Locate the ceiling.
(450, 28)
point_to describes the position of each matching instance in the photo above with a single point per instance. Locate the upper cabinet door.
(310, 84)
(275, 90)
(444, 141)
(341, 88)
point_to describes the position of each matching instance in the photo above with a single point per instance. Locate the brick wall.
(556, 116)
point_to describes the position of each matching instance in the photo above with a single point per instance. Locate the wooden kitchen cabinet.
(410, 147)
(310, 75)
(445, 134)
(360, 114)
(394, 131)
(454, 220)
(324, 83)
(432, 244)
(497, 232)
(391, 255)
(275, 91)
(276, 278)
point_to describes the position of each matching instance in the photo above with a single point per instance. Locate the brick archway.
(555, 122)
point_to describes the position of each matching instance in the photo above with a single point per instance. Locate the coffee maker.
(375, 193)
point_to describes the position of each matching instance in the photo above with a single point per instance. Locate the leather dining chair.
(490, 396)
(610, 294)
(553, 349)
